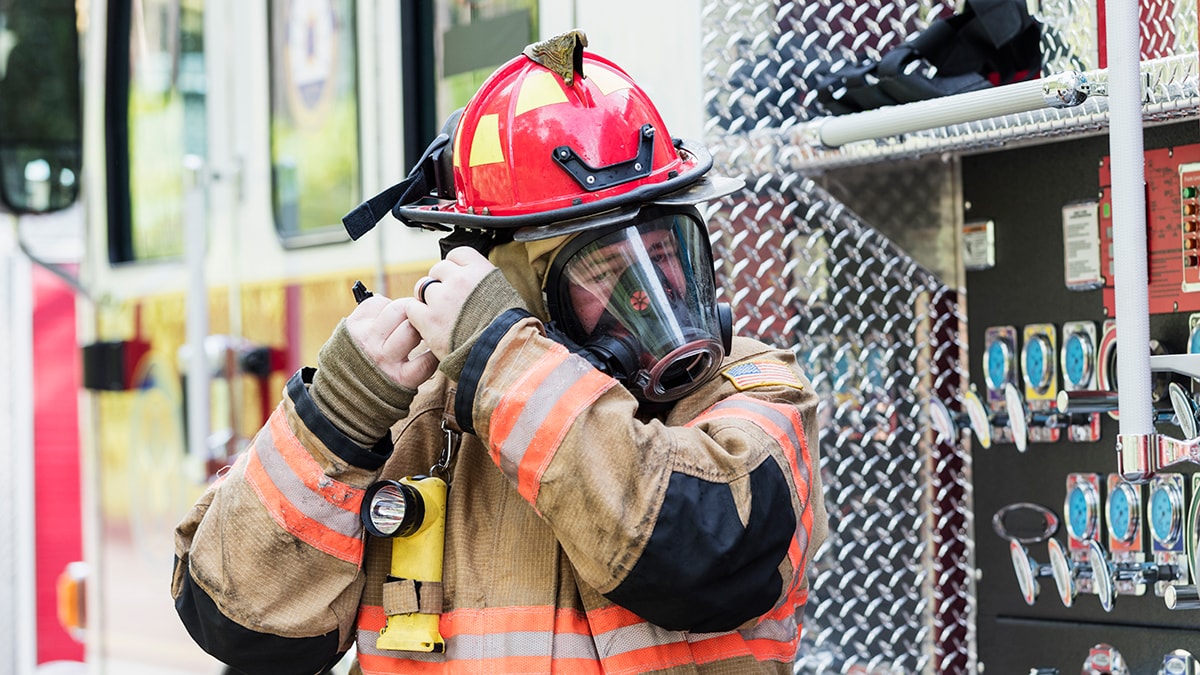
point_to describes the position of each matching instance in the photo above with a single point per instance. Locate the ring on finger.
(425, 285)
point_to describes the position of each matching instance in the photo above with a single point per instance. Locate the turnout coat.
(581, 537)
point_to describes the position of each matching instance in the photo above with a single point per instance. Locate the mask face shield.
(645, 296)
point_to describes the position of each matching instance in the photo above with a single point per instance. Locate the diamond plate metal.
(829, 266)
(762, 62)
(878, 334)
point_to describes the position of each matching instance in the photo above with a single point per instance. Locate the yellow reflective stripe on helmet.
(539, 89)
(485, 145)
(457, 150)
(608, 81)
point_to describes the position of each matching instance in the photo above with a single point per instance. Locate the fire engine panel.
(1121, 546)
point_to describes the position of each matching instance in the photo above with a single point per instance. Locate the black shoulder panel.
(702, 571)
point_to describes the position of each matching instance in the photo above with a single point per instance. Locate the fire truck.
(951, 210)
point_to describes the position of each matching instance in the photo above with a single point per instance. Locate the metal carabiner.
(449, 447)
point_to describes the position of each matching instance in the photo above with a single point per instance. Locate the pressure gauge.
(978, 418)
(1184, 407)
(1123, 514)
(1178, 662)
(1078, 360)
(997, 364)
(1082, 507)
(1037, 363)
(1166, 513)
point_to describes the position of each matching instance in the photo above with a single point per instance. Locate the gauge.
(942, 421)
(1123, 513)
(1189, 537)
(1064, 573)
(1037, 363)
(1166, 513)
(997, 364)
(1078, 360)
(1178, 662)
(1082, 506)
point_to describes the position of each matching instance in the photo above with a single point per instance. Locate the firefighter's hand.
(381, 327)
(440, 295)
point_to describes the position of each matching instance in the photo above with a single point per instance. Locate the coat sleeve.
(704, 523)
(268, 568)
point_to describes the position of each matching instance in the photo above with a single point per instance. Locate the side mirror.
(41, 126)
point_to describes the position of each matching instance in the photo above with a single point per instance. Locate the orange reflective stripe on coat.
(770, 640)
(530, 421)
(611, 640)
(294, 489)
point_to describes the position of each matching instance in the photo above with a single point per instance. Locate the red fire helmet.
(554, 135)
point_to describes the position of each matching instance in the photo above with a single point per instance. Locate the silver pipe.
(1062, 90)
(1129, 217)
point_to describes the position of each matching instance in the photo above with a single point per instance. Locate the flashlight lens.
(388, 508)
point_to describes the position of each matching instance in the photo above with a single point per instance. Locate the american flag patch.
(760, 374)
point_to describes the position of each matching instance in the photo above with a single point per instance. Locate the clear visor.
(651, 285)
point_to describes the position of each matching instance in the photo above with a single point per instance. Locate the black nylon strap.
(418, 184)
(367, 215)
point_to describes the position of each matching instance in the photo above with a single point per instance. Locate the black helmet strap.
(420, 182)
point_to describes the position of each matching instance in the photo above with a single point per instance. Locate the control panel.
(1089, 566)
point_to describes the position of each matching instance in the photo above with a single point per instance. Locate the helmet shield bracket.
(599, 178)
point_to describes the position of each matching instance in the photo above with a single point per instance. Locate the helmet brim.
(707, 188)
(690, 187)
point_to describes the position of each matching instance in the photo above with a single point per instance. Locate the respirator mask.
(638, 300)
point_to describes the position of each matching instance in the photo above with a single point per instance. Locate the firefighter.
(631, 488)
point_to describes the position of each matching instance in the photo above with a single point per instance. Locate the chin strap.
(431, 176)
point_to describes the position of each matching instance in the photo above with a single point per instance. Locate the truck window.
(155, 118)
(40, 123)
(315, 140)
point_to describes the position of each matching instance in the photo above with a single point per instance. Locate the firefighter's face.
(593, 283)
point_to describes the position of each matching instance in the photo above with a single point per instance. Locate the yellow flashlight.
(411, 511)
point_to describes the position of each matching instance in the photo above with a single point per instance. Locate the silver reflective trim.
(537, 409)
(311, 504)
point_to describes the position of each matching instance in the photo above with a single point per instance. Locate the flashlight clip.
(449, 448)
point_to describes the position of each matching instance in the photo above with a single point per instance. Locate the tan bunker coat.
(580, 537)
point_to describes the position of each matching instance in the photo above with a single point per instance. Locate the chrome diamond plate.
(828, 265)
(878, 334)
(762, 60)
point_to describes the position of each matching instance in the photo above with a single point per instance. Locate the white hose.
(1129, 217)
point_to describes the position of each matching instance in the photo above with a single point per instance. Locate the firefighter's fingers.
(433, 323)
(463, 268)
(370, 308)
(372, 323)
(402, 340)
(416, 369)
